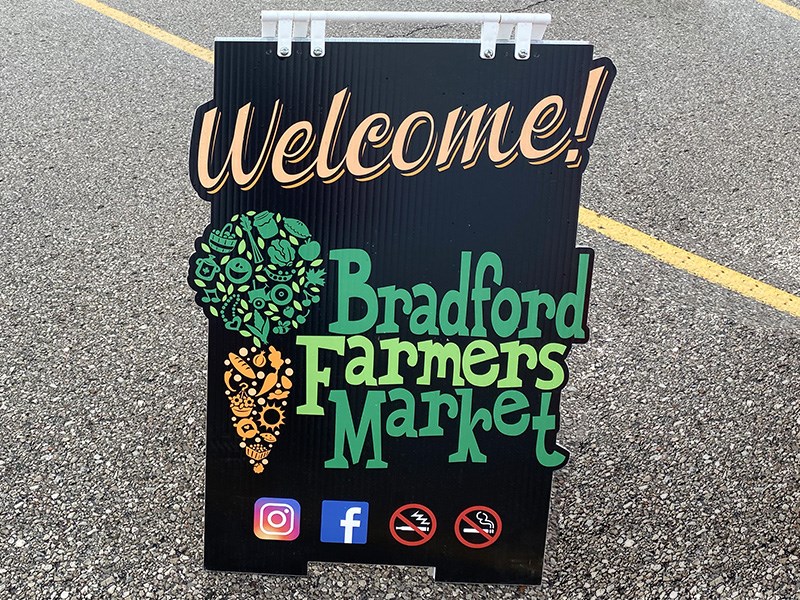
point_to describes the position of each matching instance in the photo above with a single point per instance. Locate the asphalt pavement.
(682, 413)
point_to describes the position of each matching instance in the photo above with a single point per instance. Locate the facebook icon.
(344, 522)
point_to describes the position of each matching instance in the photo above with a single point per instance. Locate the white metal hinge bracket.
(288, 26)
(317, 37)
(522, 41)
(285, 27)
(490, 31)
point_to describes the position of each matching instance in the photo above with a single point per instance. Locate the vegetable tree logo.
(261, 275)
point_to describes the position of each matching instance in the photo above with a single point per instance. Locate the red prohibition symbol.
(478, 527)
(412, 524)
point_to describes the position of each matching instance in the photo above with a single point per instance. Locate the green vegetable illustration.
(260, 274)
(281, 252)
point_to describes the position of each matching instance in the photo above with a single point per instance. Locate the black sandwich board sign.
(393, 288)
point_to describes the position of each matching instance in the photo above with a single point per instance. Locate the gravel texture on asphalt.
(682, 412)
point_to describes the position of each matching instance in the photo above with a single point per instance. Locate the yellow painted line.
(786, 9)
(667, 253)
(691, 263)
(151, 30)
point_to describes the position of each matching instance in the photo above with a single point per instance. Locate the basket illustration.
(257, 451)
(222, 240)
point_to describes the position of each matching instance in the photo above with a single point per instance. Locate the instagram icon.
(276, 519)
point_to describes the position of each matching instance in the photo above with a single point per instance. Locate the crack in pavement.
(433, 27)
(423, 28)
(530, 6)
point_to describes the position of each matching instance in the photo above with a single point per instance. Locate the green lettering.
(467, 444)
(391, 295)
(515, 351)
(345, 430)
(458, 299)
(393, 348)
(423, 317)
(360, 370)
(435, 402)
(314, 375)
(554, 366)
(351, 286)
(542, 424)
(576, 301)
(401, 420)
(506, 327)
(477, 352)
(518, 401)
(442, 353)
(534, 299)
(480, 293)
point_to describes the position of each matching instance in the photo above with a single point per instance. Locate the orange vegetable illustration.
(269, 382)
(228, 375)
(241, 366)
(258, 416)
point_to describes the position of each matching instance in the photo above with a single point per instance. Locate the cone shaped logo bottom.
(257, 384)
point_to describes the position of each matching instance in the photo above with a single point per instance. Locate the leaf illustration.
(259, 328)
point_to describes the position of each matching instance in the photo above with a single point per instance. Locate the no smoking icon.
(478, 527)
(413, 524)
